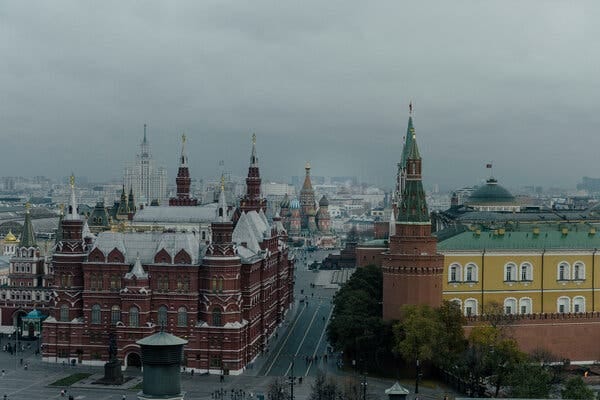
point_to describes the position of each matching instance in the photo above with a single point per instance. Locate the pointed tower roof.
(28, 235)
(408, 138)
(413, 207)
(253, 157)
(145, 140)
(222, 215)
(72, 214)
(392, 224)
(183, 160)
(307, 186)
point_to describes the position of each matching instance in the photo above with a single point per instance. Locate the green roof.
(408, 139)
(28, 235)
(549, 240)
(162, 339)
(492, 193)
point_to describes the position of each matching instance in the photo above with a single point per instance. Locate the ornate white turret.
(392, 224)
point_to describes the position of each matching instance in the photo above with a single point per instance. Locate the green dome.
(490, 193)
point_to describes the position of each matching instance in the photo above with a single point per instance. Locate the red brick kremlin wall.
(567, 336)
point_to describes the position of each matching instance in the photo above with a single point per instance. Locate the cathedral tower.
(412, 269)
(307, 202)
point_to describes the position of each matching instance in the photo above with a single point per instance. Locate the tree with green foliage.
(530, 381)
(356, 326)
(498, 355)
(575, 388)
(417, 333)
(451, 343)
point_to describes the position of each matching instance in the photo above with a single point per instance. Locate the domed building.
(492, 197)
(9, 244)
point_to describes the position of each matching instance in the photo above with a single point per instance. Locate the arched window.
(182, 316)
(221, 285)
(96, 311)
(579, 271)
(525, 305)
(470, 307)
(454, 273)
(526, 272)
(115, 314)
(563, 271)
(578, 304)
(64, 313)
(214, 284)
(510, 305)
(93, 281)
(134, 317)
(162, 316)
(563, 304)
(471, 273)
(510, 270)
(216, 317)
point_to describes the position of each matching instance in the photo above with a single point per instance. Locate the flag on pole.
(488, 165)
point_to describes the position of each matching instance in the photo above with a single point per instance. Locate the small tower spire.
(253, 157)
(183, 155)
(72, 214)
(222, 209)
(145, 140)
(28, 235)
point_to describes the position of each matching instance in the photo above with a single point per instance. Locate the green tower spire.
(409, 138)
(413, 208)
(28, 235)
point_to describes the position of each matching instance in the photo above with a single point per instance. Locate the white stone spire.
(72, 214)
(222, 215)
(392, 224)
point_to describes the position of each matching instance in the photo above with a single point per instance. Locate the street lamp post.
(364, 386)
(292, 378)
(417, 380)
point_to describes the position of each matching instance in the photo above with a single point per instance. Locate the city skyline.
(326, 83)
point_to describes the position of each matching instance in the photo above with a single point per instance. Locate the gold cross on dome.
(183, 138)
(72, 180)
(254, 138)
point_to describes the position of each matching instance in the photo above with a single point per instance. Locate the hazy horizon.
(510, 82)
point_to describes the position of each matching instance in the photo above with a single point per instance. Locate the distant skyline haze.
(325, 82)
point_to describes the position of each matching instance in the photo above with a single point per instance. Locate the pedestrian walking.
(124, 397)
(192, 372)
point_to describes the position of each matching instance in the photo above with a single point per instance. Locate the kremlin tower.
(412, 268)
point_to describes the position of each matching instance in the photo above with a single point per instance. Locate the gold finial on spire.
(72, 180)
(62, 208)
(222, 182)
(27, 206)
(410, 108)
(307, 166)
(254, 138)
(183, 137)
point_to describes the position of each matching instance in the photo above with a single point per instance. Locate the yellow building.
(555, 269)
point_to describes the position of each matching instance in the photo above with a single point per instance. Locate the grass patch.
(137, 387)
(71, 379)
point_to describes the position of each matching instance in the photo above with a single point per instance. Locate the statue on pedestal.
(113, 375)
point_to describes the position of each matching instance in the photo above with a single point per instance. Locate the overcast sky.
(322, 81)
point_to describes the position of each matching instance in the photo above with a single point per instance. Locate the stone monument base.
(113, 375)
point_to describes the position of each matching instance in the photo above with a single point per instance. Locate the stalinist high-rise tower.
(146, 181)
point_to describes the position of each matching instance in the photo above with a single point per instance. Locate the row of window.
(514, 273)
(134, 315)
(22, 267)
(23, 296)
(524, 305)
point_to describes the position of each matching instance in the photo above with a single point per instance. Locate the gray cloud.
(328, 82)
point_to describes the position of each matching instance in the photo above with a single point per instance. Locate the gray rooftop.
(153, 214)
